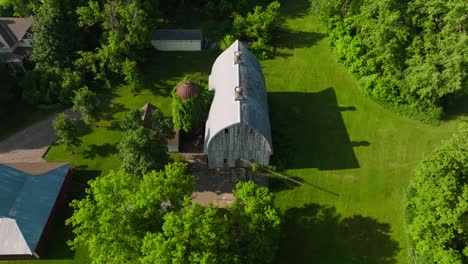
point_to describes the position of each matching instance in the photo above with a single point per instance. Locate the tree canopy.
(408, 54)
(437, 204)
(66, 131)
(120, 209)
(152, 219)
(85, 101)
(56, 36)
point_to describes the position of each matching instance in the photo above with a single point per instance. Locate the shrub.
(262, 49)
(226, 41)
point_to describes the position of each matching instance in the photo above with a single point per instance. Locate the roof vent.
(237, 57)
(238, 93)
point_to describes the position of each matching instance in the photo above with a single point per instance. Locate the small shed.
(238, 127)
(177, 39)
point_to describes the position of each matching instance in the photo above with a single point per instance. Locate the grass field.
(354, 157)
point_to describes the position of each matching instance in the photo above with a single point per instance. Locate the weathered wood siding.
(240, 141)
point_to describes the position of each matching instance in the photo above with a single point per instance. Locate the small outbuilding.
(177, 39)
(173, 143)
(238, 127)
(29, 196)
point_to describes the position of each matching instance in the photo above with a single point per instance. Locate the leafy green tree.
(142, 150)
(408, 54)
(66, 131)
(437, 204)
(226, 42)
(50, 85)
(85, 102)
(56, 35)
(259, 27)
(189, 114)
(120, 209)
(131, 120)
(258, 223)
(126, 29)
(22, 8)
(194, 234)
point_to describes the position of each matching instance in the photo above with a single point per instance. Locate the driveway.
(31, 143)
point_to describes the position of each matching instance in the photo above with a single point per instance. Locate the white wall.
(175, 45)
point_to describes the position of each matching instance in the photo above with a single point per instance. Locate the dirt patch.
(215, 186)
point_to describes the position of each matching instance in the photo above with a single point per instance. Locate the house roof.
(177, 34)
(27, 199)
(186, 90)
(12, 242)
(13, 29)
(225, 110)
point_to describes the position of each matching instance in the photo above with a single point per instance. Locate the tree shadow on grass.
(309, 131)
(99, 150)
(56, 244)
(163, 70)
(318, 234)
(292, 39)
(295, 8)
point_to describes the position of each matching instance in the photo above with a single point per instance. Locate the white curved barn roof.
(225, 111)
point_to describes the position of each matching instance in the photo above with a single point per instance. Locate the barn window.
(251, 131)
(226, 131)
(225, 161)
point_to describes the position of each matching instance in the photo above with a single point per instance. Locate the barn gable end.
(238, 125)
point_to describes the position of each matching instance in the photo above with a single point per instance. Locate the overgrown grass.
(355, 157)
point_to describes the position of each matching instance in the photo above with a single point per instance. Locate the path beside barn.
(31, 143)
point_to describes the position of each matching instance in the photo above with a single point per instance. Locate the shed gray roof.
(28, 199)
(225, 111)
(177, 34)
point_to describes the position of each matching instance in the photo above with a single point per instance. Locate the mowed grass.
(355, 157)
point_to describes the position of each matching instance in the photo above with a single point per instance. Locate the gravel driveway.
(31, 143)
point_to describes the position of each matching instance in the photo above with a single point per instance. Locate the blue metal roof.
(29, 199)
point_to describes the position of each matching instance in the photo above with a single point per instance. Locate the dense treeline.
(437, 204)
(410, 54)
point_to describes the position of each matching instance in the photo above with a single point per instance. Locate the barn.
(29, 196)
(177, 39)
(238, 125)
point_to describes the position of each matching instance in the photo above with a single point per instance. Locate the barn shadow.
(316, 232)
(309, 132)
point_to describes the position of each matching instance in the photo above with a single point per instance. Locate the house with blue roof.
(29, 194)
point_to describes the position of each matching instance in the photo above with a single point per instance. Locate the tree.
(85, 102)
(66, 131)
(55, 33)
(408, 54)
(257, 26)
(194, 234)
(50, 85)
(437, 207)
(126, 29)
(142, 150)
(120, 209)
(189, 114)
(258, 223)
(131, 120)
(22, 8)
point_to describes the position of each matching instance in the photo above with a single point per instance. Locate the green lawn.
(354, 157)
